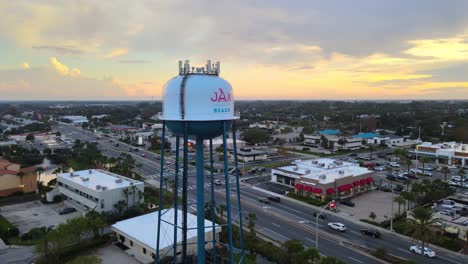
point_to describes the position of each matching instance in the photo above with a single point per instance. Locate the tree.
(372, 216)
(21, 175)
(445, 170)
(255, 135)
(422, 220)
(126, 192)
(331, 260)
(220, 209)
(120, 205)
(400, 200)
(424, 160)
(371, 149)
(251, 218)
(85, 260)
(293, 247)
(133, 195)
(310, 255)
(30, 137)
(39, 172)
(408, 163)
(461, 173)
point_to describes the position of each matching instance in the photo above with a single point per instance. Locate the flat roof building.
(453, 152)
(97, 190)
(139, 234)
(248, 155)
(324, 177)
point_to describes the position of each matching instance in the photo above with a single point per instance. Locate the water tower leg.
(160, 203)
(184, 196)
(212, 205)
(228, 193)
(200, 202)
(176, 199)
(241, 231)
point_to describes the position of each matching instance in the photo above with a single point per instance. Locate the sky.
(271, 49)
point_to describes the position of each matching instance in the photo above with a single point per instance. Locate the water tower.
(199, 105)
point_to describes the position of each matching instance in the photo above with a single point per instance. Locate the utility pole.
(316, 223)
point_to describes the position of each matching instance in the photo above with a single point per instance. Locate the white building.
(248, 155)
(139, 234)
(97, 190)
(454, 153)
(334, 142)
(324, 177)
(76, 120)
(387, 140)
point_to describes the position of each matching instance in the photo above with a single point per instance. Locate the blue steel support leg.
(228, 193)
(184, 196)
(176, 199)
(200, 202)
(160, 202)
(212, 205)
(241, 235)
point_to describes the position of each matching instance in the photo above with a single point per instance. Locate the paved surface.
(34, 214)
(375, 201)
(285, 220)
(20, 255)
(111, 254)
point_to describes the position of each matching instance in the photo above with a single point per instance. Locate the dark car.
(352, 154)
(348, 203)
(370, 232)
(384, 188)
(67, 210)
(321, 216)
(263, 200)
(390, 177)
(412, 176)
(274, 199)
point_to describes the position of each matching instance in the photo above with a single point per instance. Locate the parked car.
(427, 251)
(337, 226)
(157, 157)
(381, 168)
(384, 188)
(427, 173)
(348, 203)
(390, 177)
(261, 169)
(412, 176)
(352, 154)
(264, 201)
(253, 170)
(370, 232)
(394, 164)
(143, 154)
(275, 199)
(67, 210)
(217, 182)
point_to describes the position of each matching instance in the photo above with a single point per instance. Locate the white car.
(337, 226)
(380, 168)
(427, 173)
(394, 165)
(427, 251)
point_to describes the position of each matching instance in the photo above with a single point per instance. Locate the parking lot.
(374, 201)
(35, 214)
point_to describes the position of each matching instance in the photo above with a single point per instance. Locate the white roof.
(449, 146)
(325, 170)
(92, 178)
(144, 228)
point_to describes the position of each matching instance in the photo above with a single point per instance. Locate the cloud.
(75, 72)
(135, 29)
(116, 53)
(58, 66)
(135, 61)
(59, 49)
(25, 65)
(455, 48)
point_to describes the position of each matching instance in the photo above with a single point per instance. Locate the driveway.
(35, 214)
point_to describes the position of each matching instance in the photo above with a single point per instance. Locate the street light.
(331, 203)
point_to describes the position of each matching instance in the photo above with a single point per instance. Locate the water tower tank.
(200, 96)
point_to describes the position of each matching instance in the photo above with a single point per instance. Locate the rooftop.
(144, 228)
(324, 170)
(450, 146)
(94, 177)
(366, 135)
(328, 132)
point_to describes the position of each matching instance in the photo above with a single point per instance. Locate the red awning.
(370, 179)
(307, 188)
(317, 190)
(363, 181)
(357, 183)
(330, 191)
(345, 187)
(299, 186)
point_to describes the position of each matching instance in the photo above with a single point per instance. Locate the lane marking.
(313, 241)
(406, 251)
(355, 232)
(448, 259)
(355, 259)
(286, 238)
(276, 225)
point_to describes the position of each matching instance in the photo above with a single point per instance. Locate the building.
(76, 120)
(248, 155)
(449, 152)
(120, 129)
(335, 142)
(386, 140)
(14, 179)
(139, 234)
(324, 177)
(97, 190)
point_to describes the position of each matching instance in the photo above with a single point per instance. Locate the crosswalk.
(207, 185)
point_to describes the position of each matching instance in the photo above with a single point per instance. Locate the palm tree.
(424, 160)
(400, 200)
(140, 196)
(445, 170)
(251, 218)
(408, 163)
(371, 149)
(21, 175)
(461, 173)
(39, 171)
(125, 192)
(221, 208)
(133, 195)
(422, 220)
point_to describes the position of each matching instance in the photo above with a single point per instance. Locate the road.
(280, 221)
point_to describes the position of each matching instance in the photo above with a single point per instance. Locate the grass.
(4, 224)
(305, 199)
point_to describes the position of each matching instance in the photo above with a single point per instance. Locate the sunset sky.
(106, 50)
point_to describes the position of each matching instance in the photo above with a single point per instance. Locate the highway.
(281, 221)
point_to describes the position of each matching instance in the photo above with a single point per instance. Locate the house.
(139, 234)
(97, 190)
(324, 178)
(14, 179)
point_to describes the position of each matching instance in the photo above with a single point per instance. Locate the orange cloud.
(25, 65)
(116, 52)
